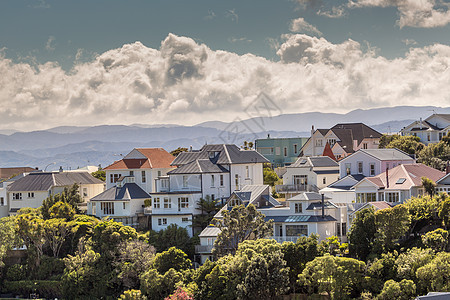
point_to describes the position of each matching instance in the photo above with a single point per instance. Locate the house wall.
(341, 196)
(255, 175)
(132, 207)
(150, 175)
(172, 219)
(193, 182)
(270, 147)
(39, 197)
(288, 177)
(210, 188)
(370, 144)
(173, 200)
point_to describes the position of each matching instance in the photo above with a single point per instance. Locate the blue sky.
(294, 37)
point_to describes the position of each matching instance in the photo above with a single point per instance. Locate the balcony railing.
(292, 188)
(281, 239)
(147, 210)
(203, 248)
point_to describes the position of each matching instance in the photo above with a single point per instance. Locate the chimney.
(190, 148)
(323, 206)
(447, 169)
(387, 177)
(313, 142)
(60, 169)
(421, 124)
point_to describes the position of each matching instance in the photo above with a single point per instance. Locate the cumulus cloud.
(186, 82)
(300, 25)
(413, 13)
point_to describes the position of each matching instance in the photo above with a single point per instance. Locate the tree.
(55, 233)
(208, 208)
(435, 276)
(132, 295)
(362, 233)
(240, 224)
(270, 177)
(156, 286)
(171, 259)
(180, 294)
(380, 270)
(339, 277)
(403, 290)
(444, 211)
(8, 236)
(409, 144)
(30, 229)
(62, 210)
(178, 151)
(436, 239)
(172, 236)
(422, 211)
(429, 186)
(435, 155)
(69, 195)
(391, 224)
(408, 262)
(100, 174)
(247, 145)
(107, 235)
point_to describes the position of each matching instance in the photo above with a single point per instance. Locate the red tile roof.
(328, 152)
(155, 158)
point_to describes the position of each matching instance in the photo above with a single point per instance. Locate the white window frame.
(167, 202)
(157, 203)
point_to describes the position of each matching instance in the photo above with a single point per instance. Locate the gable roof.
(307, 196)
(314, 161)
(443, 116)
(199, 166)
(226, 154)
(387, 154)
(40, 181)
(154, 158)
(375, 204)
(128, 192)
(6, 173)
(348, 132)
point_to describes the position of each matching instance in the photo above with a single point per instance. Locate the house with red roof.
(396, 185)
(144, 165)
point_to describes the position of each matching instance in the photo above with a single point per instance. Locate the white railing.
(286, 188)
(203, 248)
(147, 210)
(281, 239)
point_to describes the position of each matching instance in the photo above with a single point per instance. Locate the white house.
(395, 185)
(32, 189)
(344, 139)
(214, 170)
(123, 202)
(309, 174)
(443, 184)
(144, 164)
(430, 130)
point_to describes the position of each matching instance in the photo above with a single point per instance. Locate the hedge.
(44, 288)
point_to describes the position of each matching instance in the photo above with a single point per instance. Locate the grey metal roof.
(199, 166)
(128, 192)
(33, 182)
(323, 161)
(435, 296)
(69, 178)
(305, 196)
(318, 205)
(300, 219)
(226, 154)
(326, 171)
(387, 154)
(210, 231)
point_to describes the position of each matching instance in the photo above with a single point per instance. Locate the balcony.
(147, 210)
(296, 188)
(281, 239)
(203, 248)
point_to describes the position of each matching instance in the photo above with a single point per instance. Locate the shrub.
(16, 272)
(44, 288)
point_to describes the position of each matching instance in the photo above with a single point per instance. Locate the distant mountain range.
(78, 146)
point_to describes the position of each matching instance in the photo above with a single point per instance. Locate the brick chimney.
(387, 177)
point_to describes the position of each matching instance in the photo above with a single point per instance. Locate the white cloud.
(241, 39)
(211, 15)
(300, 25)
(413, 13)
(186, 82)
(334, 12)
(50, 45)
(231, 13)
(409, 42)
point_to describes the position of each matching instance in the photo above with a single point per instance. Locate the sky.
(186, 62)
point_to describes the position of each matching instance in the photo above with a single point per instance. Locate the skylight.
(400, 180)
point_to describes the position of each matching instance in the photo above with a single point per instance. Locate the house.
(430, 130)
(341, 190)
(6, 173)
(123, 202)
(376, 205)
(214, 171)
(344, 139)
(280, 152)
(32, 189)
(309, 174)
(395, 185)
(443, 184)
(371, 162)
(4, 204)
(144, 164)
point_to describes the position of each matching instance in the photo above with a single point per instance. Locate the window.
(392, 197)
(295, 148)
(338, 229)
(2, 201)
(298, 208)
(365, 146)
(300, 180)
(94, 208)
(162, 221)
(184, 220)
(344, 228)
(159, 173)
(113, 178)
(348, 169)
(360, 167)
(157, 203)
(167, 203)
(319, 143)
(185, 181)
(30, 194)
(380, 196)
(85, 192)
(277, 151)
(131, 173)
(212, 180)
(124, 205)
(324, 181)
(236, 181)
(183, 202)
(295, 230)
(247, 172)
(164, 183)
(428, 136)
(285, 151)
(440, 135)
(332, 142)
(372, 169)
(107, 208)
(221, 180)
(366, 197)
(144, 179)
(17, 196)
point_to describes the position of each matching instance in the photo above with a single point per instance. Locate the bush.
(50, 269)
(16, 272)
(44, 288)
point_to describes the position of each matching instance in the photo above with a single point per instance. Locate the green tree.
(435, 276)
(62, 210)
(403, 290)
(55, 233)
(132, 295)
(8, 236)
(247, 145)
(240, 224)
(380, 270)
(435, 155)
(362, 233)
(339, 277)
(171, 259)
(178, 151)
(208, 208)
(30, 229)
(270, 177)
(69, 195)
(429, 186)
(156, 286)
(107, 235)
(408, 262)
(444, 211)
(436, 239)
(172, 236)
(422, 211)
(409, 144)
(100, 174)
(391, 224)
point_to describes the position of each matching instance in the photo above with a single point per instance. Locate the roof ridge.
(227, 154)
